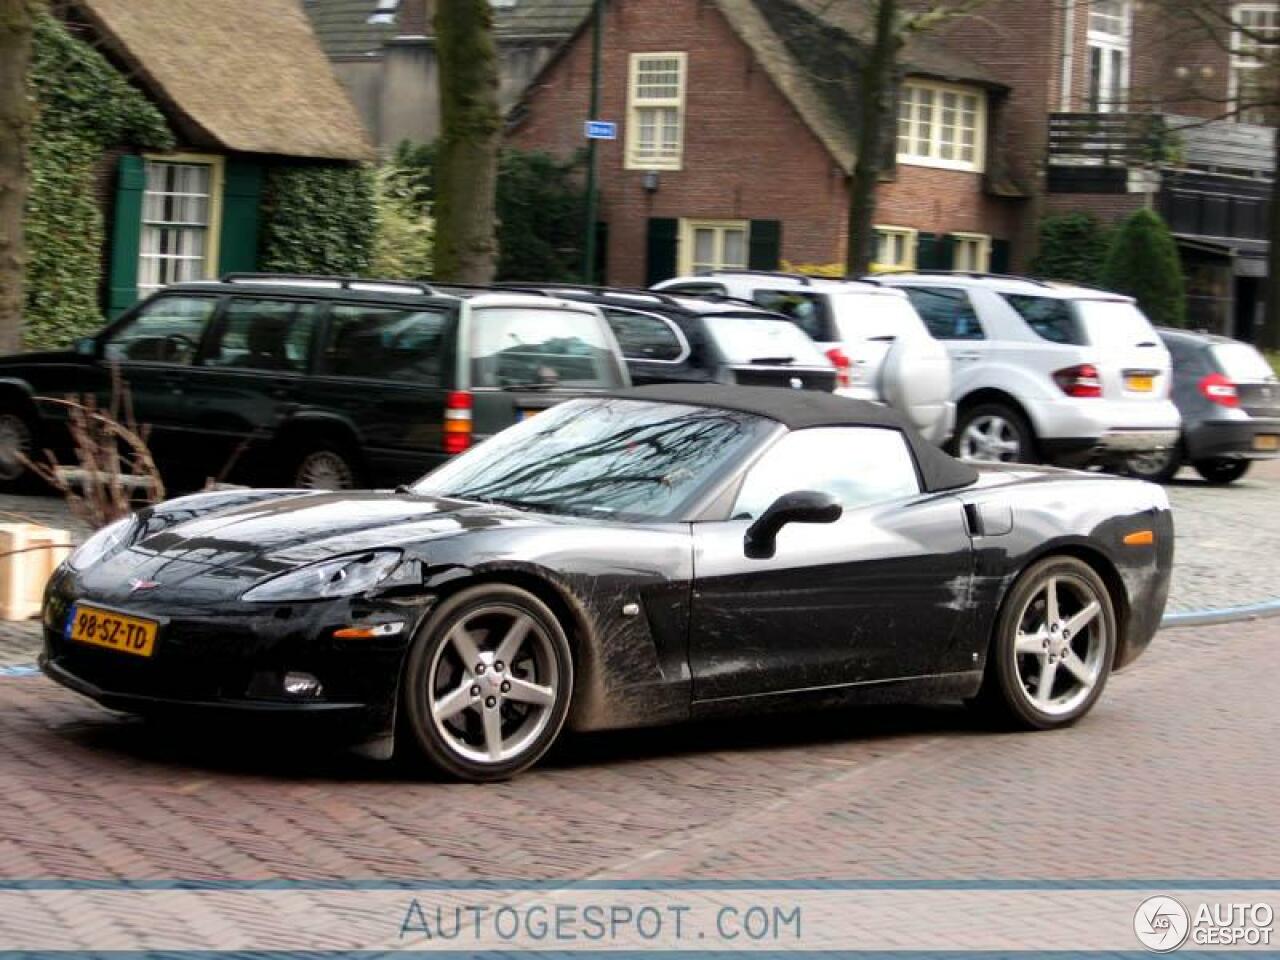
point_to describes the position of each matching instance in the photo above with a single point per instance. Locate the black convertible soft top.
(803, 409)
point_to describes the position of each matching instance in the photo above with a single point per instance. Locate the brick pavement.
(1174, 775)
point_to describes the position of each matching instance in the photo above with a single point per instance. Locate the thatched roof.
(240, 75)
(812, 49)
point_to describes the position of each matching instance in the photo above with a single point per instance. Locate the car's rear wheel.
(1054, 646)
(324, 465)
(1157, 466)
(1222, 471)
(994, 433)
(488, 683)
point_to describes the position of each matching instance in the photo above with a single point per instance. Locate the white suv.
(1047, 372)
(880, 347)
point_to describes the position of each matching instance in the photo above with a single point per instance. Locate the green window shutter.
(1000, 256)
(934, 251)
(663, 239)
(126, 235)
(765, 245)
(241, 204)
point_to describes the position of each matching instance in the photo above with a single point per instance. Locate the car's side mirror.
(803, 506)
(86, 346)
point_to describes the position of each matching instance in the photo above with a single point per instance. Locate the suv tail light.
(844, 366)
(1218, 389)
(457, 421)
(1081, 381)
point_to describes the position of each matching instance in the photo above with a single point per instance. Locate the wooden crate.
(29, 554)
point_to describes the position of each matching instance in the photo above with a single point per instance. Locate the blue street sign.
(601, 130)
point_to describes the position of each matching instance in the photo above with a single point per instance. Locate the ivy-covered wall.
(84, 107)
(318, 218)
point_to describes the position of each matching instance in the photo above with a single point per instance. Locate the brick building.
(1116, 104)
(735, 141)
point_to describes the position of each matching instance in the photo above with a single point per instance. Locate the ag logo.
(1162, 924)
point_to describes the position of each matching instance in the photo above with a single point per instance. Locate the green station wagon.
(314, 382)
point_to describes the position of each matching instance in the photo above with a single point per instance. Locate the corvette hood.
(253, 540)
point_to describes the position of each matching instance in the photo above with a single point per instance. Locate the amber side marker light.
(1142, 538)
(369, 632)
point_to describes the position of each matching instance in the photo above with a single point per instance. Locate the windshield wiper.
(780, 361)
(537, 506)
(532, 385)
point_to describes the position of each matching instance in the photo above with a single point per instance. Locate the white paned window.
(941, 126)
(1110, 30)
(895, 248)
(655, 128)
(179, 239)
(1254, 46)
(971, 252)
(709, 245)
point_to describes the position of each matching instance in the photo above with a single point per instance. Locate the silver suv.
(878, 344)
(1047, 372)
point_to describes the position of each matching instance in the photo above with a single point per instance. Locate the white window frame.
(1243, 63)
(982, 242)
(1110, 43)
(213, 229)
(635, 105)
(910, 246)
(686, 249)
(934, 157)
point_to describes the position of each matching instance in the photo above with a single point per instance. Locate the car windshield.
(1241, 362)
(751, 339)
(528, 347)
(612, 458)
(1115, 323)
(876, 316)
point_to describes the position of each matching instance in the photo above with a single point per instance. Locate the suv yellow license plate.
(115, 631)
(1266, 441)
(1139, 383)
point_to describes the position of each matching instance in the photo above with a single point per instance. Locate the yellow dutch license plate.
(115, 631)
(1140, 383)
(1266, 441)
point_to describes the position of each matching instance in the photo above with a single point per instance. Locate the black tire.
(18, 439)
(1014, 429)
(1156, 469)
(1007, 690)
(459, 743)
(309, 462)
(1220, 471)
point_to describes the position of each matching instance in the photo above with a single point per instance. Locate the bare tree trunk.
(467, 164)
(1269, 336)
(875, 100)
(16, 27)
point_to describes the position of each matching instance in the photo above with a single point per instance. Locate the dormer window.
(384, 13)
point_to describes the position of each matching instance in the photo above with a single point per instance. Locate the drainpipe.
(1068, 55)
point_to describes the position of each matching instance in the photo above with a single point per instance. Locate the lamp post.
(589, 242)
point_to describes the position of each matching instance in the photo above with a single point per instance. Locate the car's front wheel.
(1157, 466)
(324, 466)
(488, 683)
(994, 433)
(1054, 645)
(1222, 471)
(17, 451)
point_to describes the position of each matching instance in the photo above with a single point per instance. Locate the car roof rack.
(358, 284)
(803, 278)
(971, 274)
(620, 293)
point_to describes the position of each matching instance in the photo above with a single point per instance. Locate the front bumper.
(1109, 446)
(1230, 439)
(232, 660)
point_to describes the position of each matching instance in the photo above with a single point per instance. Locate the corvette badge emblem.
(137, 585)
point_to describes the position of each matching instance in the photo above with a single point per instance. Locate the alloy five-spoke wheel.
(993, 434)
(488, 683)
(1054, 645)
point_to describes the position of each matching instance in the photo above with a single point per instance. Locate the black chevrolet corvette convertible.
(641, 558)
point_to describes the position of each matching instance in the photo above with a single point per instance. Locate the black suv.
(668, 339)
(315, 381)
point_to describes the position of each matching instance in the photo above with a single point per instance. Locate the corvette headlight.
(340, 577)
(107, 541)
